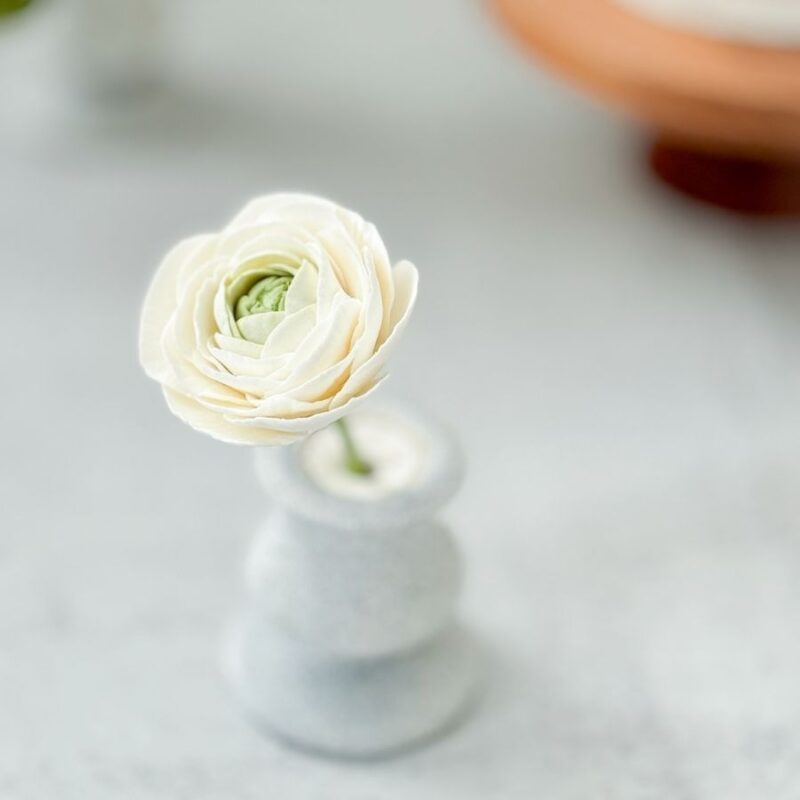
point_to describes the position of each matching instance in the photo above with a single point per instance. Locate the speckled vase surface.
(347, 644)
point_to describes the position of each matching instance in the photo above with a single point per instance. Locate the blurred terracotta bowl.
(726, 114)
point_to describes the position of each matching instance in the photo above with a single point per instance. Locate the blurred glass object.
(115, 47)
(76, 68)
(724, 115)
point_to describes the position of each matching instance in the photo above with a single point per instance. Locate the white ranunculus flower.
(279, 324)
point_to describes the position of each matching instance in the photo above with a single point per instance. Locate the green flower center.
(269, 294)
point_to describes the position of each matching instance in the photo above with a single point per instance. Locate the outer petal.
(284, 205)
(366, 337)
(363, 379)
(305, 425)
(161, 301)
(406, 286)
(215, 424)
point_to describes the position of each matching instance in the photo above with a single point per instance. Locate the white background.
(622, 368)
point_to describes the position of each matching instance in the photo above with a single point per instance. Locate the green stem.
(352, 458)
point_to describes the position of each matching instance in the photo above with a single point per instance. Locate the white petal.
(215, 424)
(184, 375)
(328, 286)
(222, 313)
(236, 345)
(363, 380)
(303, 289)
(406, 282)
(246, 366)
(346, 258)
(284, 407)
(161, 301)
(372, 313)
(327, 344)
(406, 285)
(252, 379)
(324, 385)
(306, 425)
(288, 336)
(286, 205)
(257, 327)
(383, 269)
(195, 315)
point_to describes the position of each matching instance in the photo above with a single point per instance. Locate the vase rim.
(282, 473)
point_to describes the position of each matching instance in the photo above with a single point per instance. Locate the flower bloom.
(279, 324)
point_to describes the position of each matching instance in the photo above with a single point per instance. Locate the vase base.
(355, 708)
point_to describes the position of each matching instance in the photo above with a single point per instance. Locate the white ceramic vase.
(347, 644)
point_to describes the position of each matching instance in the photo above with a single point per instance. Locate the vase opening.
(397, 450)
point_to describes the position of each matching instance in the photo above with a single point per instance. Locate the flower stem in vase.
(352, 457)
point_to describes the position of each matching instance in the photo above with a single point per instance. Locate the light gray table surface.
(622, 368)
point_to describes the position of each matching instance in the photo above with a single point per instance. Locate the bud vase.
(347, 642)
